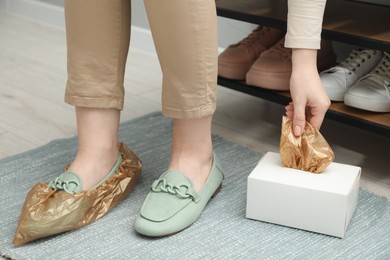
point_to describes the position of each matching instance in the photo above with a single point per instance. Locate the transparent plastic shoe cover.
(47, 212)
(308, 152)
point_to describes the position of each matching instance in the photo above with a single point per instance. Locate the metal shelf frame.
(252, 11)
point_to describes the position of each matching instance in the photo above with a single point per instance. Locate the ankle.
(180, 159)
(99, 146)
(194, 166)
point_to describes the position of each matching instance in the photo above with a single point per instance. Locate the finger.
(289, 111)
(290, 114)
(317, 116)
(316, 121)
(289, 108)
(299, 118)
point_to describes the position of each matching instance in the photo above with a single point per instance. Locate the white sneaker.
(372, 92)
(337, 80)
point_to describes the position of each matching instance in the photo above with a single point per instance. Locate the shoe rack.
(346, 21)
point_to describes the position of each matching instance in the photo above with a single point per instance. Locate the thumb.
(299, 118)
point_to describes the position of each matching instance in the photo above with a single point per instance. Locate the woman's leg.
(192, 149)
(98, 35)
(97, 144)
(185, 36)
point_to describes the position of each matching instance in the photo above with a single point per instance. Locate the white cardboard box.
(322, 203)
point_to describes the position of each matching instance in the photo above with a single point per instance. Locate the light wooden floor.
(32, 111)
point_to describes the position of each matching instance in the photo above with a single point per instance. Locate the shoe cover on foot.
(47, 212)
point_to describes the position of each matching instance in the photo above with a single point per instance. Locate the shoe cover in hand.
(308, 152)
(47, 212)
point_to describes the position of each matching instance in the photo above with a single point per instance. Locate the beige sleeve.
(304, 23)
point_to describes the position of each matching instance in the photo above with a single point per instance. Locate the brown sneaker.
(272, 70)
(236, 60)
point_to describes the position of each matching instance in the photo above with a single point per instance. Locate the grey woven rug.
(222, 232)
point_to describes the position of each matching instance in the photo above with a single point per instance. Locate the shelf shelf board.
(374, 122)
(350, 22)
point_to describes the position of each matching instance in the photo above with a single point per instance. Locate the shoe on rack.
(172, 203)
(62, 205)
(372, 92)
(235, 61)
(337, 80)
(272, 70)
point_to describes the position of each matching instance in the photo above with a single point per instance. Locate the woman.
(185, 36)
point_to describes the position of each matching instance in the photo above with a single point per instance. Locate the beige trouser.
(185, 36)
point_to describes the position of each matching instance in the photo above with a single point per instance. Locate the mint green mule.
(172, 204)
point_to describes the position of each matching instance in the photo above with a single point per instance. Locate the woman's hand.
(309, 99)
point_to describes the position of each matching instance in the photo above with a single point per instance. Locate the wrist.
(304, 60)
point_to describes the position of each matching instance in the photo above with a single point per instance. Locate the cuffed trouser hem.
(90, 102)
(189, 114)
(302, 43)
